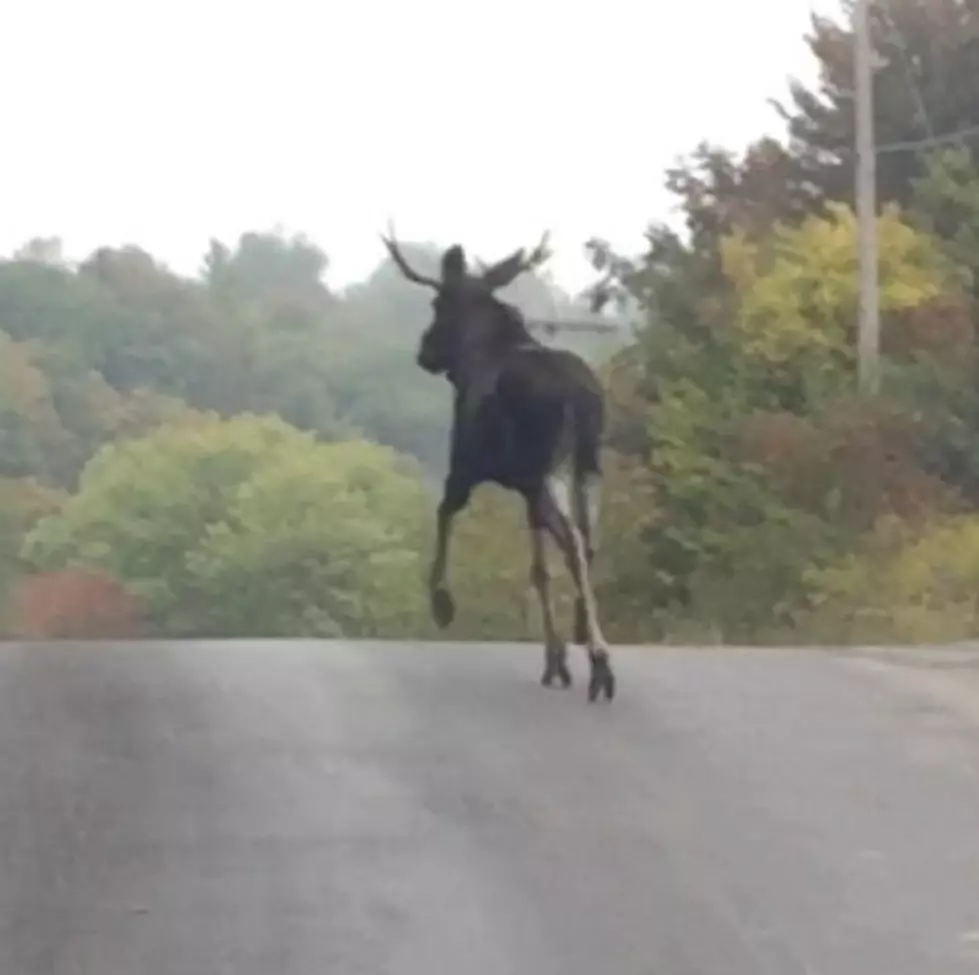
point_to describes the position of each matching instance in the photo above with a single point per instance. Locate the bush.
(22, 504)
(74, 604)
(247, 527)
(903, 584)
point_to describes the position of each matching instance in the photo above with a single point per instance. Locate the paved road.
(301, 809)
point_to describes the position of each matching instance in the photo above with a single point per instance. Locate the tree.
(926, 81)
(926, 84)
(797, 297)
(245, 526)
(73, 604)
(23, 502)
(757, 459)
(54, 413)
(721, 194)
(163, 329)
(43, 302)
(281, 276)
(901, 583)
(31, 431)
(323, 543)
(42, 250)
(945, 203)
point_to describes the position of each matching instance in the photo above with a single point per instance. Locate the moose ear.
(453, 264)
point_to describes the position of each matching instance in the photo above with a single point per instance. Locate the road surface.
(312, 808)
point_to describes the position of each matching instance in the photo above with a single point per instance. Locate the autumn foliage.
(202, 456)
(74, 604)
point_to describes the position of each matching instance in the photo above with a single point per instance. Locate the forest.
(247, 452)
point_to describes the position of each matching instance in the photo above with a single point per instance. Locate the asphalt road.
(311, 808)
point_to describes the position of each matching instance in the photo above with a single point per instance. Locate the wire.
(931, 142)
(888, 11)
(914, 145)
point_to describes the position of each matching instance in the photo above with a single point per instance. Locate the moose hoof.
(556, 669)
(602, 679)
(443, 607)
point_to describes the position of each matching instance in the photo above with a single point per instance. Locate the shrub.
(904, 584)
(73, 604)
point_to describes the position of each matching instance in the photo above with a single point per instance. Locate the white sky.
(163, 124)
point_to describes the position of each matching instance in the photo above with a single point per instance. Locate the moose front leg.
(454, 499)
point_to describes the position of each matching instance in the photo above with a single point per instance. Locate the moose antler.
(406, 269)
(505, 271)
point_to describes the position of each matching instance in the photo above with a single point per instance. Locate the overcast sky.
(163, 124)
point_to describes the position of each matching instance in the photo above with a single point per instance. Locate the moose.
(528, 418)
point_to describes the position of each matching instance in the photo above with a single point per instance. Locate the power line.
(888, 12)
(553, 325)
(914, 145)
(931, 142)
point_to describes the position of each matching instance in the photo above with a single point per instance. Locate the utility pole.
(866, 192)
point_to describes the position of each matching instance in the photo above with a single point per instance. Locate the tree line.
(249, 452)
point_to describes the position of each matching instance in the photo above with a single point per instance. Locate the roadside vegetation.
(249, 452)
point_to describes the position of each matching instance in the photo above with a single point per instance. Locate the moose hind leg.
(555, 651)
(580, 622)
(586, 502)
(568, 536)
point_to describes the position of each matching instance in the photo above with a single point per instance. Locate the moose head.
(468, 318)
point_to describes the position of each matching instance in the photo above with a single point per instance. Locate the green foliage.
(262, 455)
(322, 542)
(54, 413)
(30, 428)
(151, 383)
(925, 80)
(946, 202)
(22, 503)
(759, 462)
(796, 299)
(246, 526)
(904, 583)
